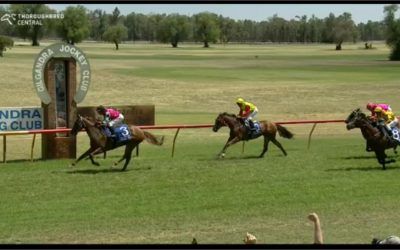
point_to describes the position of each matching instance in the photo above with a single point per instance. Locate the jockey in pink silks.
(112, 117)
(372, 106)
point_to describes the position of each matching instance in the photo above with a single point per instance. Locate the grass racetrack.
(171, 200)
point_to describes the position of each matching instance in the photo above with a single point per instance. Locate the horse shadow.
(375, 168)
(94, 171)
(103, 171)
(358, 157)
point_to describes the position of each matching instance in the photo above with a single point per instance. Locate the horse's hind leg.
(278, 144)
(381, 157)
(265, 149)
(127, 155)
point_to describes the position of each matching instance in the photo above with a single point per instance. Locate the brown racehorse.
(238, 132)
(375, 139)
(100, 143)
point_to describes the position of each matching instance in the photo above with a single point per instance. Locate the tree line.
(79, 24)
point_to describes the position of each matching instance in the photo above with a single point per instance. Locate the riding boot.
(385, 131)
(390, 135)
(368, 148)
(251, 124)
(112, 131)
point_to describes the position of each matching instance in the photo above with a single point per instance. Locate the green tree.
(205, 28)
(5, 42)
(303, 29)
(316, 28)
(115, 34)
(226, 27)
(137, 26)
(173, 29)
(115, 17)
(98, 24)
(75, 26)
(343, 30)
(392, 31)
(33, 32)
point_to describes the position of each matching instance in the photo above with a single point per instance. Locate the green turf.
(165, 200)
(170, 200)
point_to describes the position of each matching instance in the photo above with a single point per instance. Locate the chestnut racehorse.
(99, 142)
(238, 132)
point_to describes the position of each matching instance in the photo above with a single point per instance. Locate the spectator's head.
(375, 241)
(250, 239)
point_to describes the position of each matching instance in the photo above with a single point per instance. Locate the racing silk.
(384, 106)
(246, 109)
(111, 114)
(388, 116)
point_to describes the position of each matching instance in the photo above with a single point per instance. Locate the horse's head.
(219, 122)
(355, 119)
(78, 125)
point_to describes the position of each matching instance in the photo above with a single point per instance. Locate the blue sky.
(256, 12)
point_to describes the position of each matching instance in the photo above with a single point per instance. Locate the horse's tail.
(150, 138)
(284, 132)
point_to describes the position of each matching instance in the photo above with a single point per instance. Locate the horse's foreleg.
(87, 153)
(96, 151)
(265, 149)
(278, 144)
(228, 143)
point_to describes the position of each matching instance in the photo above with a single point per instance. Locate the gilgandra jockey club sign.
(61, 50)
(17, 119)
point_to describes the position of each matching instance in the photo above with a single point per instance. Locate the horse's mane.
(228, 114)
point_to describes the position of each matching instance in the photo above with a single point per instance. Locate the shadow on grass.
(239, 158)
(20, 161)
(358, 157)
(104, 170)
(376, 168)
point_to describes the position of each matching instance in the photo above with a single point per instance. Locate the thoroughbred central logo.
(8, 17)
(61, 50)
(28, 19)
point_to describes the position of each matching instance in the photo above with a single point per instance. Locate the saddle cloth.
(396, 135)
(122, 133)
(253, 133)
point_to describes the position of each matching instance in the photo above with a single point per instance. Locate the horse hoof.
(222, 155)
(72, 165)
(115, 164)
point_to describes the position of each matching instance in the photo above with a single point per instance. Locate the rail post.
(309, 136)
(173, 143)
(33, 145)
(4, 148)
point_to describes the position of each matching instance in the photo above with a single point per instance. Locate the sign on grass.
(20, 118)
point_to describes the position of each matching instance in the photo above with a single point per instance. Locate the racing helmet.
(370, 106)
(240, 101)
(378, 110)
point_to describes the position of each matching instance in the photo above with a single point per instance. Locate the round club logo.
(61, 50)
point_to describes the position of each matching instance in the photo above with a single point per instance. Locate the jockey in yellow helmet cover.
(247, 111)
(388, 117)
